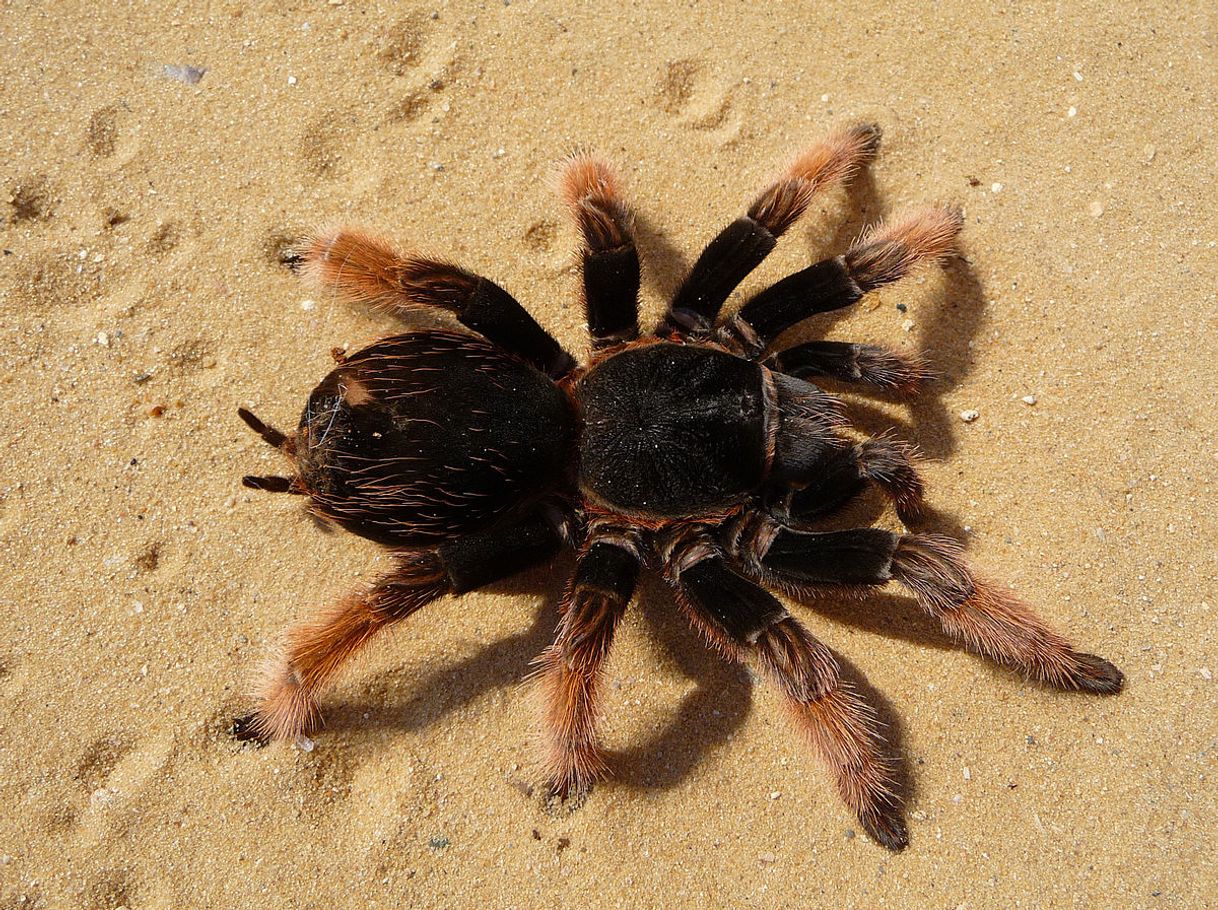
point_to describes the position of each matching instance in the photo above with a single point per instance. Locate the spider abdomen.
(672, 430)
(424, 436)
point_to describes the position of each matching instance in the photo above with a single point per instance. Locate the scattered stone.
(1028, 399)
(767, 859)
(1096, 209)
(1148, 153)
(968, 775)
(303, 743)
(1073, 112)
(1206, 674)
(436, 165)
(995, 187)
(308, 305)
(775, 794)
(188, 74)
(970, 415)
(439, 842)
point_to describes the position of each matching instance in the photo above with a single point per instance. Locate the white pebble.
(776, 794)
(970, 415)
(1028, 399)
(1078, 77)
(908, 325)
(995, 187)
(1206, 674)
(1148, 153)
(303, 743)
(968, 775)
(307, 305)
(291, 80)
(436, 165)
(1096, 209)
(1073, 112)
(103, 339)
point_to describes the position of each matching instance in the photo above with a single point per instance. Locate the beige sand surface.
(141, 302)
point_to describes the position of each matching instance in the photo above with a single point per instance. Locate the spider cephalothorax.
(698, 449)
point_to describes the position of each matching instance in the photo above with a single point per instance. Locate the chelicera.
(697, 449)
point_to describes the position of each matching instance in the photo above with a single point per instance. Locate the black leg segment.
(846, 362)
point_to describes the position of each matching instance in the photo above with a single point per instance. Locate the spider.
(697, 449)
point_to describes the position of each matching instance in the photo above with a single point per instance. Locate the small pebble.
(969, 416)
(1028, 399)
(1148, 153)
(307, 305)
(776, 794)
(1073, 112)
(1206, 674)
(436, 165)
(968, 775)
(995, 187)
(188, 74)
(1096, 209)
(767, 858)
(103, 339)
(291, 80)
(908, 325)
(303, 743)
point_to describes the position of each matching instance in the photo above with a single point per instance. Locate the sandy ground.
(141, 301)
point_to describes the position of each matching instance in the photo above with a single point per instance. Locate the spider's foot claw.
(246, 729)
(1094, 674)
(886, 827)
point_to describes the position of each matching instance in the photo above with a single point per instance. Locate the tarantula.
(695, 449)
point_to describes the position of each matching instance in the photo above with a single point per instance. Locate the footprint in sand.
(101, 138)
(31, 198)
(697, 99)
(112, 773)
(419, 50)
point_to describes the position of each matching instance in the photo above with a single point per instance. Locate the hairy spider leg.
(740, 620)
(869, 364)
(609, 261)
(317, 648)
(843, 473)
(988, 620)
(742, 245)
(570, 668)
(366, 269)
(884, 254)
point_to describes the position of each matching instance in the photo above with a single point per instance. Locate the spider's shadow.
(947, 324)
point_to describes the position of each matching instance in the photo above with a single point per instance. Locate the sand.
(141, 301)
